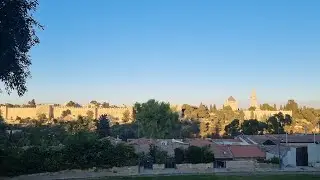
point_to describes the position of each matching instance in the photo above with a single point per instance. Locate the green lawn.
(210, 177)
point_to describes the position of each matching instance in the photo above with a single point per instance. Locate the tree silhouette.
(32, 103)
(103, 126)
(155, 119)
(233, 128)
(17, 37)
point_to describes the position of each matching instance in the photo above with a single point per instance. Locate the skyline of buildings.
(232, 101)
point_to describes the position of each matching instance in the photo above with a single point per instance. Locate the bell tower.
(253, 100)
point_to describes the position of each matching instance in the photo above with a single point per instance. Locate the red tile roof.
(246, 151)
(199, 142)
(222, 152)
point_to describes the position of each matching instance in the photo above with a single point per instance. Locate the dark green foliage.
(65, 113)
(73, 104)
(155, 119)
(32, 103)
(157, 156)
(253, 127)
(189, 129)
(179, 155)
(17, 37)
(233, 128)
(203, 111)
(197, 155)
(103, 126)
(105, 105)
(193, 155)
(124, 131)
(274, 160)
(277, 122)
(194, 113)
(81, 150)
(94, 102)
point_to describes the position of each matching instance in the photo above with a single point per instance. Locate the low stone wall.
(267, 166)
(180, 168)
(233, 166)
(246, 165)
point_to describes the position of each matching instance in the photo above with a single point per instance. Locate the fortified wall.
(261, 114)
(12, 113)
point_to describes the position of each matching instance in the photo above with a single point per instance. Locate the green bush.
(194, 155)
(158, 156)
(80, 151)
(274, 160)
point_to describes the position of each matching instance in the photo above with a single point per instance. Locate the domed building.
(233, 103)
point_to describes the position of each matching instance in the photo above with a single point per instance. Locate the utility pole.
(139, 162)
(279, 139)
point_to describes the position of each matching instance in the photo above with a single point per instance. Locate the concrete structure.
(232, 103)
(297, 140)
(258, 113)
(50, 111)
(290, 158)
(314, 155)
(287, 154)
(295, 150)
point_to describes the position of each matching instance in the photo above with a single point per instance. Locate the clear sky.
(182, 51)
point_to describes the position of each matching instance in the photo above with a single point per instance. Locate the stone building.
(258, 113)
(253, 100)
(232, 103)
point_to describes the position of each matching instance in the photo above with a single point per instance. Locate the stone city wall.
(114, 112)
(12, 113)
(75, 111)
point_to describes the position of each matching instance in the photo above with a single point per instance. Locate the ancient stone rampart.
(12, 113)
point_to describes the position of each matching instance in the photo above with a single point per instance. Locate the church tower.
(253, 100)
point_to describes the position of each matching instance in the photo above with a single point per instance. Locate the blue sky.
(182, 51)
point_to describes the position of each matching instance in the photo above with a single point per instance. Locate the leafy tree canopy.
(277, 122)
(233, 128)
(267, 107)
(253, 127)
(252, 108)
(18, 36)
(103, 126)
(72, 104)
(155, 119)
